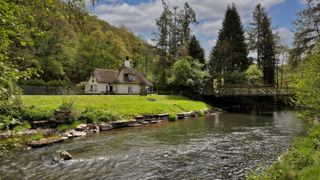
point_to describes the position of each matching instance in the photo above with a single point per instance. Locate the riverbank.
(301, 161)
(50, 119)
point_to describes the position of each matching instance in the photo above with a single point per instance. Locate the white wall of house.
(124, 88)
(93, 87)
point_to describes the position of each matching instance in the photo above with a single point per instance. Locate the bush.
(200, 113)
(7, 121)
(65, 127)
(172, 117)
(22, 127)
(35, 114)
(36, 137)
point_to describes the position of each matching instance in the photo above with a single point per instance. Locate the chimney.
(127, 62)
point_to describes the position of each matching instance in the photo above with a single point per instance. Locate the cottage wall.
(123, 88)
(97, 88)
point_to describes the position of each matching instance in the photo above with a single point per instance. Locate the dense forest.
(63, 42)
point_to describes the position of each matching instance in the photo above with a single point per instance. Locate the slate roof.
(119, 76)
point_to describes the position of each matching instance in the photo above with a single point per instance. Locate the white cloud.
(286, 35)
(212, 42)
(140, 18)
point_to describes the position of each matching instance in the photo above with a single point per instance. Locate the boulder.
(60, 116)
(93, 128)
(5, 135)
(65, 155)
(105, 127)
(45, 142)
(81, 127)
(73, 133)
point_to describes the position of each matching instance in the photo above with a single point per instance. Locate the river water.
(223, 146)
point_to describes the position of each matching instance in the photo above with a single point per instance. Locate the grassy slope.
(122, 105)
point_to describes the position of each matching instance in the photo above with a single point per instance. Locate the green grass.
(123, 105)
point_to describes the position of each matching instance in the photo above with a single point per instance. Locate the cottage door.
(111, 88)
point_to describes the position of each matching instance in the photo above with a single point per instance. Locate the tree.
(186, 17)
(263, 41)
(173, 34)
(268, 52)
(187, 76)
(308, 83)
(164, 22)
(307, 32)
(195, 50)
(254, 74)
(255, 32)
(230, 52)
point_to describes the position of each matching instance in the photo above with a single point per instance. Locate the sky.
(140, 15)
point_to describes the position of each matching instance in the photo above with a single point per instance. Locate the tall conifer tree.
(195, 50)
(230, 52)
(262, 40)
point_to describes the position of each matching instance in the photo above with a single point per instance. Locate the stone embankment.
(85, 129)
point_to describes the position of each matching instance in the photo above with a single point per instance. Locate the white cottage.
(126, 80)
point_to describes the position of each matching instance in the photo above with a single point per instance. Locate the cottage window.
(91, 88)
(131, 77)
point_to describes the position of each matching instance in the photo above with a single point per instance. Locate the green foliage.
(308, 82)
(33, 113)
(263, 41)
(188, 75)
(7, 121)
(41, 82)
(172, 38)
(307, 32)
(230, 52)
(195, 50)
(65, 127)
(254, 75)
(172, 117)
(235, 77)
(36, 137)
(200, 113)
(91, 115)
(22, 127)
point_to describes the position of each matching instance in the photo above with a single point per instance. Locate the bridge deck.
(250, 91)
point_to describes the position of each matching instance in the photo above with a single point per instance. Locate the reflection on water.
(223, 146)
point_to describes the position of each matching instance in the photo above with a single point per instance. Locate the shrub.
(22, 127)
(7, 121)
(35, 114)
(200, 113)
(36, 137)
(172, 117)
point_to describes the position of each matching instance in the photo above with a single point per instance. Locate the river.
(223, 146)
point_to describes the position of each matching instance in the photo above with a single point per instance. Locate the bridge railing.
(252, 91)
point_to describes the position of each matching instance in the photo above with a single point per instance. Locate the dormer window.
(131, 77)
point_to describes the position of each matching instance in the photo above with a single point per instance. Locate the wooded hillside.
(65, 42)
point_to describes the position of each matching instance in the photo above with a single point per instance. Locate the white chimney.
(127, 62)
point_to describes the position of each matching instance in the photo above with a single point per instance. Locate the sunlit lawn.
(126, 105)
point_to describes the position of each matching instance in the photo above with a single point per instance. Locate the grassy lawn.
(123, 105)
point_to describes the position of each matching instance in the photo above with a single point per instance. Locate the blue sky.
(140, 15)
